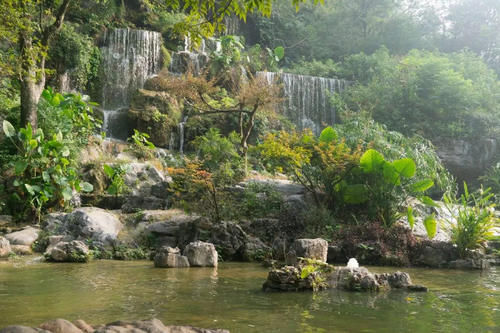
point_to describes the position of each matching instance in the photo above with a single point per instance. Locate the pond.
(230, 297)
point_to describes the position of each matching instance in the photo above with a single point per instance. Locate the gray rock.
(21, 250)
(311, 248)
(27, 236)
(74, 251)
(168, 257)
(60, 326)
(5, 248)
(141, 177)
(134, 203)
(85, 223)
(201, 254)
(324, 276)
(470, 263)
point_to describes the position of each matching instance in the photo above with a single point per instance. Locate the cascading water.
(129, 58)
(306, 101)
(181, 134)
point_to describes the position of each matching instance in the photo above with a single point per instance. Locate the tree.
(27, 26)
(31, 24)
(204, 98)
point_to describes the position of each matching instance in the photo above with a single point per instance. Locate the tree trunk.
(32, 84)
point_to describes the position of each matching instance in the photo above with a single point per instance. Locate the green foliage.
(258, 201)
(426, 93)
(141, 146)
(44, 174)
(319, 164)
(200, 185)
(327, 68)
(219, 155)
(360, 129)
(383, 187)
(473, 219)
(74, 52)
(69, 114)
(115, 174)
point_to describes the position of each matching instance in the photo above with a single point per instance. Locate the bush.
(473, 219)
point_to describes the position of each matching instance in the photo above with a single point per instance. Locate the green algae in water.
(230, 297)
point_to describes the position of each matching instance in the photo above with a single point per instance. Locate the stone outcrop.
(231, 241)
(80, 326)
(468, 160)
(84, 223)
(201, 254)
(316, 249)
(168, 257)
(74, 251)
(27, 236)
(5, 248)
(155, 112)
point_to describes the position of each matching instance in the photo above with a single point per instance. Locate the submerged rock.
(5, 248)
(168, 257)
(27, 236)
(201, 254)
(146, 326)
(74, 251)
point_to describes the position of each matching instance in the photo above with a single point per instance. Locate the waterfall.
(306, 101)
(181, 134)
(129, 58)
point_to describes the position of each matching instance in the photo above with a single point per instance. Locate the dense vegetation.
(412, 84)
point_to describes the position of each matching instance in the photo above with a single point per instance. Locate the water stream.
(231, 297)
(307, 98)
(129, 58)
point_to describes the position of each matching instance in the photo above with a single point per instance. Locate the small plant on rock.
(473, 219)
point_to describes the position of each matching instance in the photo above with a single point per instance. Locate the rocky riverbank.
(80, 326)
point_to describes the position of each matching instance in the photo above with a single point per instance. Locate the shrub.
(473, 219)
(43, 174)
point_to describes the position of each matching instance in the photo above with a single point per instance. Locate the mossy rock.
(156, 113)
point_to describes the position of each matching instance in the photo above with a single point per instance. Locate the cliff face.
(468, 160)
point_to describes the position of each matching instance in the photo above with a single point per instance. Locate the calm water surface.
(230, 297)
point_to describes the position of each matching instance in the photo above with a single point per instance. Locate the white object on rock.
(352, 264)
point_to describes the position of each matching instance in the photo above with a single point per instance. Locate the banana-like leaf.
(430, 225)
(371, 161)
(405, 167)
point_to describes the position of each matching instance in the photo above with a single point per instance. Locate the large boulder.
(27, 236)
(74, 251)
(168, 257)
(5, 248)
(201, 254)
(311, 248)
(85, 223)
